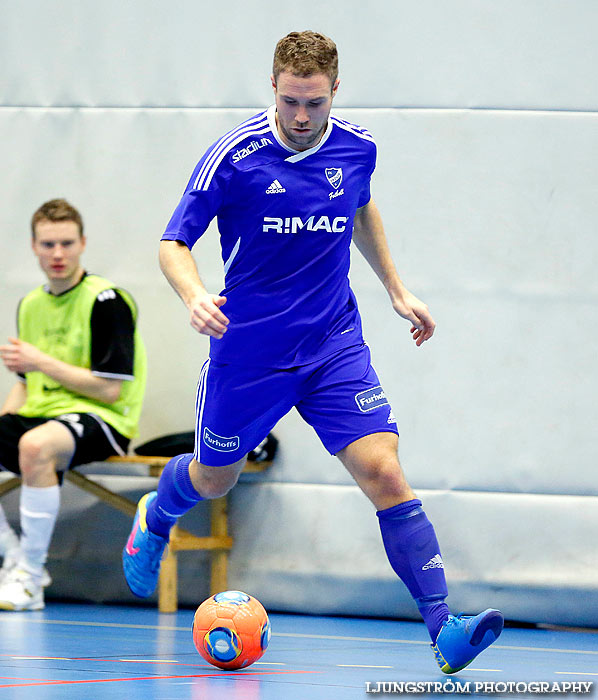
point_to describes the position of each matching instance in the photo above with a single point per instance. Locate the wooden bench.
(218, 542)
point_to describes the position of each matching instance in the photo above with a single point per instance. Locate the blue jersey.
(286, 221)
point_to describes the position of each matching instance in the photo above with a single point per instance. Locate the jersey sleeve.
(201, 200)
(365, 195)
(112, 337)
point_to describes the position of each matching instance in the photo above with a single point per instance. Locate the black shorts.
(94, 439)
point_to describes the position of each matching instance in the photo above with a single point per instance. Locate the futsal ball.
(231, 629)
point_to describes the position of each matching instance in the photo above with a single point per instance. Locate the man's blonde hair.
(56, 210)
(304, 54)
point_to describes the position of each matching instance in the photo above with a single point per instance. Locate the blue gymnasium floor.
(95, 651)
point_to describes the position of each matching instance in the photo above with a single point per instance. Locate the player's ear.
(273, 81)
(337, 82)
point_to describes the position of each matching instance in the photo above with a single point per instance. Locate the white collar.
(297, 155)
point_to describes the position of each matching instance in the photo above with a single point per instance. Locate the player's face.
(302, 108)
(58, 246)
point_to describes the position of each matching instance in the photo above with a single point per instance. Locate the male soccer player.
(80, 363)
(291, 188)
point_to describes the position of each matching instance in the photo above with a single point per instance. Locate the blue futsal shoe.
(462, 638)
(143, 552)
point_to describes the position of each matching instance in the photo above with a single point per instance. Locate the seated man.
(81, 367)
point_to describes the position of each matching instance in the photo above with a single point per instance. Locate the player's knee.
(35, 454)
(213, 488)
(386, 477)
(215, 482)
(32, 448)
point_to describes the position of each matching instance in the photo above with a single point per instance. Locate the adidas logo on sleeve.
(275, 188)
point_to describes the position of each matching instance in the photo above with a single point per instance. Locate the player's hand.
(414, 310)
(206, 316)
(20, 356)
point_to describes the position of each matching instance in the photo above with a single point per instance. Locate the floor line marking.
(410, 641)
(139, 661)
(360, 666)
(546, 649)
(120, 625)
(40, 658)
(576, 673)
(110, 660)
(295, 635)
(149, 678)
(268, 663)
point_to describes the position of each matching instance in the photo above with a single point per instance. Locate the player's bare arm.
(22, 357)
(370, 239)
(179, 268)
(15, 399)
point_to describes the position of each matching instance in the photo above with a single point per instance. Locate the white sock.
(39, 510)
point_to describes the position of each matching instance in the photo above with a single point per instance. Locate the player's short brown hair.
(304, 54)
(56, 210)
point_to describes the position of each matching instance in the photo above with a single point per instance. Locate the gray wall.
(485, 116)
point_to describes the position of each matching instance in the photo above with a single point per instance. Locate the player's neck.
(294, 146)
(60, 286)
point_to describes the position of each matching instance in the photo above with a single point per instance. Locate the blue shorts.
(339, 396)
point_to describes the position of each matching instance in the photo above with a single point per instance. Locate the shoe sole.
(493, 623)
(4, 605)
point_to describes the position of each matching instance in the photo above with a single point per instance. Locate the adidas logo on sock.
(275, 188)
(434, 563)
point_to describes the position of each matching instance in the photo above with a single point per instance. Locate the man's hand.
(20, 356)
(370, 239)
(23, 357)
(414, 310)
(206, 316)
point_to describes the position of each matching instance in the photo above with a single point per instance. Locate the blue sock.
(176, 495)
(414, 554)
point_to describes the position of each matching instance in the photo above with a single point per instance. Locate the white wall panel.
(537, 54)
(318, 549)
(290, 551)
(500, 245)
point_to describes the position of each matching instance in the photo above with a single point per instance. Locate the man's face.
(302, 108)
(58, 246)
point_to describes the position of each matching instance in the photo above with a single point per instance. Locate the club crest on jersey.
(334, 176)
